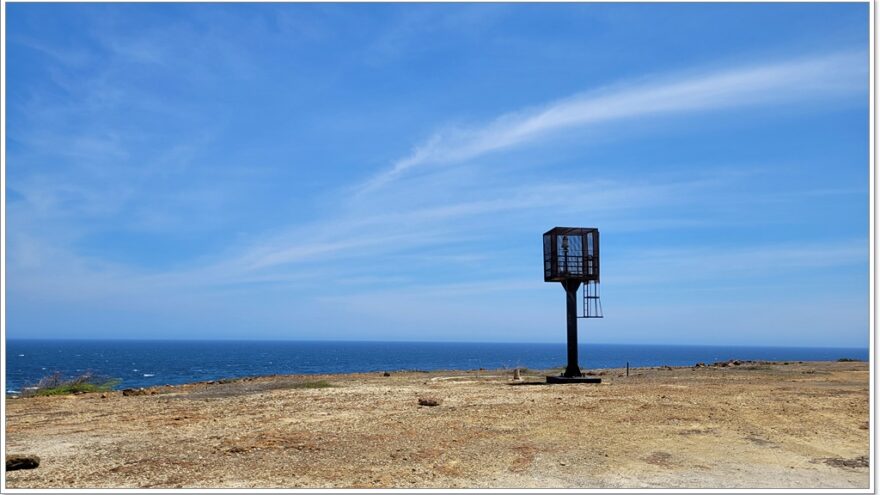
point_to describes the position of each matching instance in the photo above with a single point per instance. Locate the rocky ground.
(746, 425)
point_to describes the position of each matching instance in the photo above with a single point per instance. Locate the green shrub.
(56, 384)
(848, 360)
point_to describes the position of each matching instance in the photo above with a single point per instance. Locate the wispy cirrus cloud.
(770, 83)
(377, 227)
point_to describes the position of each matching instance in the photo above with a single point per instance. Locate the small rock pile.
(129, 392)
(856, 462)
(429, 401)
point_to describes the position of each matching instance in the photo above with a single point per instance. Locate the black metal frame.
(571, 257)
(571, 254)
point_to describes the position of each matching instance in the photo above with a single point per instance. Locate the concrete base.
(573, 379)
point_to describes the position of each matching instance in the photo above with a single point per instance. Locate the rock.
(700, 365)
(128, 392)
(856, 462)
(729, 362)
(14, 462)
(386, 374)
(103, 396)
(429, 401)
(516, 375)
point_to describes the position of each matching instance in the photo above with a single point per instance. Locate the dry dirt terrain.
(751, 425)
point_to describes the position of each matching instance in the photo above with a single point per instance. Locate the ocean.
(142, 363)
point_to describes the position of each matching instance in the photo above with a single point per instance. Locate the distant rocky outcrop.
(731, 362)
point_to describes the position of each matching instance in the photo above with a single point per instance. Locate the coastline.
(149, 363)
(497, 372)
(761, 425)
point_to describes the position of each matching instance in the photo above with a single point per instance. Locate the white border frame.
(871, 289)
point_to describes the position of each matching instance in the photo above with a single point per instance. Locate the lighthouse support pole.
(571, 287)
(572, 373)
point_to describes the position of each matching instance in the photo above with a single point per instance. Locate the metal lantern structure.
(571, 257)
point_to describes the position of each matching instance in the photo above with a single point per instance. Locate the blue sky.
(385, 172)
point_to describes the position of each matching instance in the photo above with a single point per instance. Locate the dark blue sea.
(150, 362)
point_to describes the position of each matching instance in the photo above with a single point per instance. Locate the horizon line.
(118, 339)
